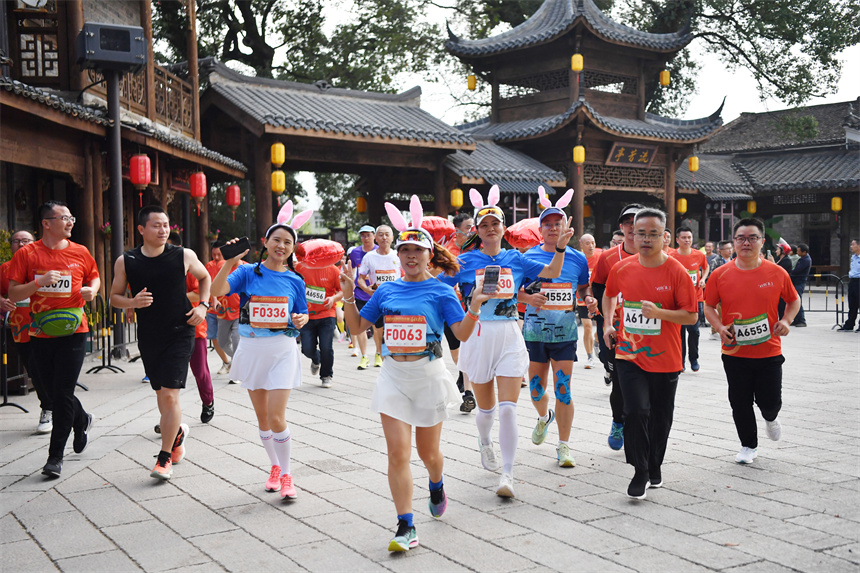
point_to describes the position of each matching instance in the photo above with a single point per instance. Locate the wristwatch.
(206, 305)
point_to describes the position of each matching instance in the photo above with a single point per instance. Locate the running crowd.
(510, 320)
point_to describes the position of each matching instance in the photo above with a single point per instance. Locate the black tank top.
(164, 277)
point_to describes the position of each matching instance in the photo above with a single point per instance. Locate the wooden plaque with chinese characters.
(631, 155)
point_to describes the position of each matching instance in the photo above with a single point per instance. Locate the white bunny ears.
(284, 216)
(560, 204)
(416, 211)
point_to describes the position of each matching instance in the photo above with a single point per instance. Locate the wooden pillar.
(670, 191)
(201, 242)
(193, 73)
(149, 70)
(263, 187)
(578, 203)
(75, 15)
(440, 203)
(375, 200)
(105, 267)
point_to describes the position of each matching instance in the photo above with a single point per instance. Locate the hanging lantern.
(693, 166)
(278, 154)
(279, 182)
(140, 173)
(836, 204)
(681, 206)
(234, 198)
(361, 205)
(456, 198)
(472, 82)
(752, 207)
(665, 78)
(586, 211)
(198, 188)
(579, 157)
(576, 62)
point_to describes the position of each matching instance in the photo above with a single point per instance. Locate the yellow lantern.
(278, 154)
(579, 154)
(586, 211)
(665, 78)
(576, 62)
(456, 198)
(752, 207)
(361, 205)
(472, 82)
(279, 182)
(681, 206)
(836, 204)
(693, 164)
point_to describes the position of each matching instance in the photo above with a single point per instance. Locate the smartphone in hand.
(237, 248)
(491, 279)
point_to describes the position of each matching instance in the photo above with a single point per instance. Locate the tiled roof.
(768, 130)
(716, 178)
(653, 126)
(553, 19)
(322, 108)
(190, 145)
(506, 167)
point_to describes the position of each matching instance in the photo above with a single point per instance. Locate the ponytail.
(443, 259)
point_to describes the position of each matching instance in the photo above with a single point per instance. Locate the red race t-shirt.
(229, 309)
(75, 263)
(695, 263)
(750, 300)
(652, 344)
(19, 321)
(193, 285)
(592, 262)
(319, 285)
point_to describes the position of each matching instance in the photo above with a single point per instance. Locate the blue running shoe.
(405, 539)
(145, 380)
(616, 436)
(438, 502)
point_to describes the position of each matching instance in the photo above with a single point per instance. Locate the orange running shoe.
(288, 490)
(163, 470)
(274, 481)
(178, 451)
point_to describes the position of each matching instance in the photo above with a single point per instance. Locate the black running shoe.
(469, 403)
(53, 468)
(79, 444)
(638, 485)
(208, 412)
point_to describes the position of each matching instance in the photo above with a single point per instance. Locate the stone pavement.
(796, 508)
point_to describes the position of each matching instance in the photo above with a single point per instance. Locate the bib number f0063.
(752, 331)
(636, 323)
(406, 334)
(505, 289)
(271, 312)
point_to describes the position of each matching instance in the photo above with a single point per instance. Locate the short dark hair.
(143, 214)
(217, 244)
(46, 208)
(803, 247)
(648, 213)
(459, 218)
(174, 238)
(617, 233)
(724, 243)
(683, 229)
(749, 222)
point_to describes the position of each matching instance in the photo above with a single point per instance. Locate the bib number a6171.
(752, 331)
(636, 323)
(405, 334)
(271, 312)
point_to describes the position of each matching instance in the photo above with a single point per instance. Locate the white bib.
(752, 331)
(386, 276)
(405, 334)
(315, 294)
(694, 276)
(559, 296)
(505, 290)
(269, 312)
(63, 287)
(636, 323)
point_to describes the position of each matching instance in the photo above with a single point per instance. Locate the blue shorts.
(543, 352)
(211, 326)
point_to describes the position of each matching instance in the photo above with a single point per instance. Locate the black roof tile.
(496, 163)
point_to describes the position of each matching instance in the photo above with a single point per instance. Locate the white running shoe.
(46, 422)
(589, 364)
(773, 429)
(225, 368)
(746, 455)
(355, 351)
(326, 382)
(488, 456)
(506, 486)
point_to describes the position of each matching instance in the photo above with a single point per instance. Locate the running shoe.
(405, 539)
(438, 502)
(773, 429)
(638, 485)
(488, 456)
(746, 455)
(208, 413)
(694, 366)
(225, 368)
(363, 363)
(655, 477)
(288, 490)
(46, 422)
(178, 451)
(315, 368)
(53, 468)
(715, 336)
(354, 351)
(542, 429)
(607, 378)
(326, 382)
(157, 429)
(377, 361)
(506, 486)
(341, 336)
(469, 403)
(565, 460)
(589, 364)
(79, 444)
(145, 379)
(616, 436)
(163, 469)
(274, 481)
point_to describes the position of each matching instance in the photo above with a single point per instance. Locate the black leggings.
(753, 380)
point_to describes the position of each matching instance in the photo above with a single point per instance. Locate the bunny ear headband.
(549, 209)
(488, 209)
(419, 237)
(284, 216)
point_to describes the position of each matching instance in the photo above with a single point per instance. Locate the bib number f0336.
(63, 287)
(559, 296)
(271, 312)
(505, 289)
(636, 323)
(406, 334)
(752, 331)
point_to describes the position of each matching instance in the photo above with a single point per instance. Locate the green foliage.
(337, 191)
(5, 247)
(798, 127)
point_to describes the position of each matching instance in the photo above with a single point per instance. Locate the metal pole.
(115, 171)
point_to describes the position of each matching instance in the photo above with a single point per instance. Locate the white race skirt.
(417, 392)
(267, 363)
(496, 348)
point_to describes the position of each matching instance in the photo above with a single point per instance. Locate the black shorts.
(359, 304)
(453, 341)
(582, 311)
(166, 355)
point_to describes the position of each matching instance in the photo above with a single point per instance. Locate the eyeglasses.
(489, 211)
(413, 236)
(65, 219)
(21, 241)
(648, 236)
(751, 239)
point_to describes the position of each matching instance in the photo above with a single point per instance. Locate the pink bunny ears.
(560, 204)
(284, 216)
(478, 201)
(415, 210)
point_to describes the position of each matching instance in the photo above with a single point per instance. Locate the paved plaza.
(797, 508)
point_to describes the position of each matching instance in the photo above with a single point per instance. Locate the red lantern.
(198, 188)
(140, 173)
(234, 198)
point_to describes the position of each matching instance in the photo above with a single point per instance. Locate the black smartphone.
(237, 248)
(491, 279)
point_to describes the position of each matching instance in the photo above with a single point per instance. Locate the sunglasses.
(413, 236)
(490, 211)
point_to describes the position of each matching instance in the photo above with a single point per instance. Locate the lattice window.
(610, 83)
(604, 176)
(536, 83)
(38, 55)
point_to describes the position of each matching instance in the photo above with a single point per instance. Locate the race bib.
(406, 334)
(314, 294)
(505, 290)
(752, 331)
(694, 276)
(271, 312)
(25, 302)
(559, 296)
(636, 323)
(61, 288)
(386, 276)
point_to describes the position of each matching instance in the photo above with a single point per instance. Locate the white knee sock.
(508, 435)
(269, 444)
(283, 443)
(484, 420)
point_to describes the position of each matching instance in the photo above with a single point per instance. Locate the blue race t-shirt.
(514, 269)
(247, 283)
(434, 301)
(552, 324)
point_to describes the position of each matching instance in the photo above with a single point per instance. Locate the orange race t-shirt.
(652, 344)
(193, 285)
(19, 321)
(75, 263)
(695, 263)
(592, 262)
(750, 300)
(319, 285)
(229, 305)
